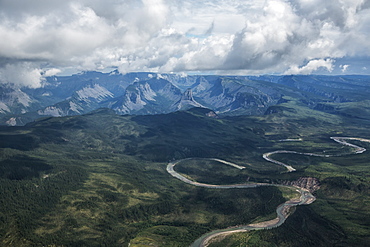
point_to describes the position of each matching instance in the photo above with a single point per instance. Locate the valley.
(158, 123)
(282, 211)
(98, 178)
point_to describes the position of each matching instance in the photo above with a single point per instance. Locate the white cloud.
(51, 72)
(224, 36)
(311, 66)
(265, 40)
(344, 67)
(23, 74)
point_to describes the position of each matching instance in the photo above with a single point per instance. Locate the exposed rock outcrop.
(309, 183)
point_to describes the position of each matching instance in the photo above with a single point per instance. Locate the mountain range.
(152, 93)
(98, 177)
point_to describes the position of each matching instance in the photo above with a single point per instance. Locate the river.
(282, 211)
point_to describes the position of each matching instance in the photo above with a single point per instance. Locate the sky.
(40, 38)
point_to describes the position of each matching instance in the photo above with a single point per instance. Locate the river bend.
(282, 210)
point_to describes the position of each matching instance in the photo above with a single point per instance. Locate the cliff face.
(154, 96)
(187, 101)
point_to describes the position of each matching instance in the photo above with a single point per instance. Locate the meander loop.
(282, 210)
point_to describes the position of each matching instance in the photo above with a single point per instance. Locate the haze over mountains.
(151, 93)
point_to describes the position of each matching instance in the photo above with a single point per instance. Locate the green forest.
(100, 179)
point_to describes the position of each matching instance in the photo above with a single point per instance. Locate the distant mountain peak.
(188, 95)
(187, 101)
(151, 93)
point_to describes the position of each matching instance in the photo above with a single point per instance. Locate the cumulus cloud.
(23, 74)
(223, 36)
(265, 41)
(51, 72)
(311, 66)
(343, 67)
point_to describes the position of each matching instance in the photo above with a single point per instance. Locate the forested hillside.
(100, 178)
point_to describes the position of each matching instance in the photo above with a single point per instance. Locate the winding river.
(282, 210)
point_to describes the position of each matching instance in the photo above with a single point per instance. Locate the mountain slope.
(151, 93)
(153, 96)
(187, 101)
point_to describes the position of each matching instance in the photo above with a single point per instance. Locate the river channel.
(282, 211)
